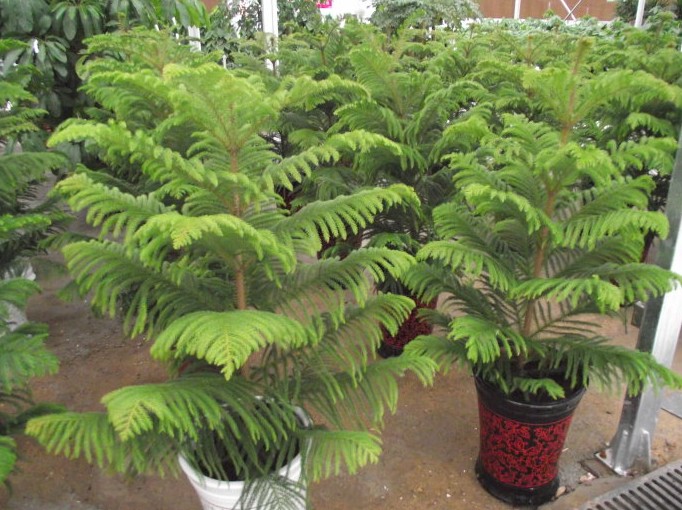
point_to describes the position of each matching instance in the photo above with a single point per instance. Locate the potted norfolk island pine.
(411, 107)
(541, 242)
(25, 221)
(222, 279)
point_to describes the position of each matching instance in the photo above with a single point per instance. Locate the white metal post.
(568, 10)
(572, 11)
(194, 34)
(270, 23)
(639, 17)
(517, 9)
(658, 334)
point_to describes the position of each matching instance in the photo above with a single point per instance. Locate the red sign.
(324, 4)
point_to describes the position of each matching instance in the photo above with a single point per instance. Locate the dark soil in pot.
(244, 460)
(520, 444)
(261, 461)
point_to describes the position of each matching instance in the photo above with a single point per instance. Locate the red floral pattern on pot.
(411, 328)
(520, 454)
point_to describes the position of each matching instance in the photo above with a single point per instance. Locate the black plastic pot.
(521, 442)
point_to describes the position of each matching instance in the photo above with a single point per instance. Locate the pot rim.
(521, 411)
(492, 389)
(213, 483)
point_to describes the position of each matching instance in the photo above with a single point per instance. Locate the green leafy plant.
(230, 20)
(54, 30)
(212, 269)
(501, 53)
(24, 222)
(390, 15)
(412, 108)
(544, 237)
(319, 52)
(627, 9)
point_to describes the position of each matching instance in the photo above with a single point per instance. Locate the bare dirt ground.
(430, 445)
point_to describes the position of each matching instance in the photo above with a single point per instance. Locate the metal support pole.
(571, 13)
(194, 34)
(568, 10)
(658, 334)
(639, 17)
(270, 23)
(517, 9)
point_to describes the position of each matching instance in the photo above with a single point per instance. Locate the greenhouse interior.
(340, 254)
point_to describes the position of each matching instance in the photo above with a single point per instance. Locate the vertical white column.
(270, 22)
(194, 34)
(639, 18)
(517, 9)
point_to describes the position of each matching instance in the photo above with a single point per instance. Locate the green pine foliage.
(546, 229)
(498, 56)
(390, 15)
(53, 32)
(627, 9)
(320, 52)
(411, 106)
(222, 279)
(24, 222)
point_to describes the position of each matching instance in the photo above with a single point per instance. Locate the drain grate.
(659, 490)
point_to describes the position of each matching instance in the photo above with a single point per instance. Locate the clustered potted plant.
(533, 224)
(222, 279)
(400, 99)
(24, 222)
(542, 240)
(410, 107)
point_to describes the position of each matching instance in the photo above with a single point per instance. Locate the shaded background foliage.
(627, 9)
(54, 31)
(389, 15)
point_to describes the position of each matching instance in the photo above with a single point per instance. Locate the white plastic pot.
(221, 495)
(20, 269)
